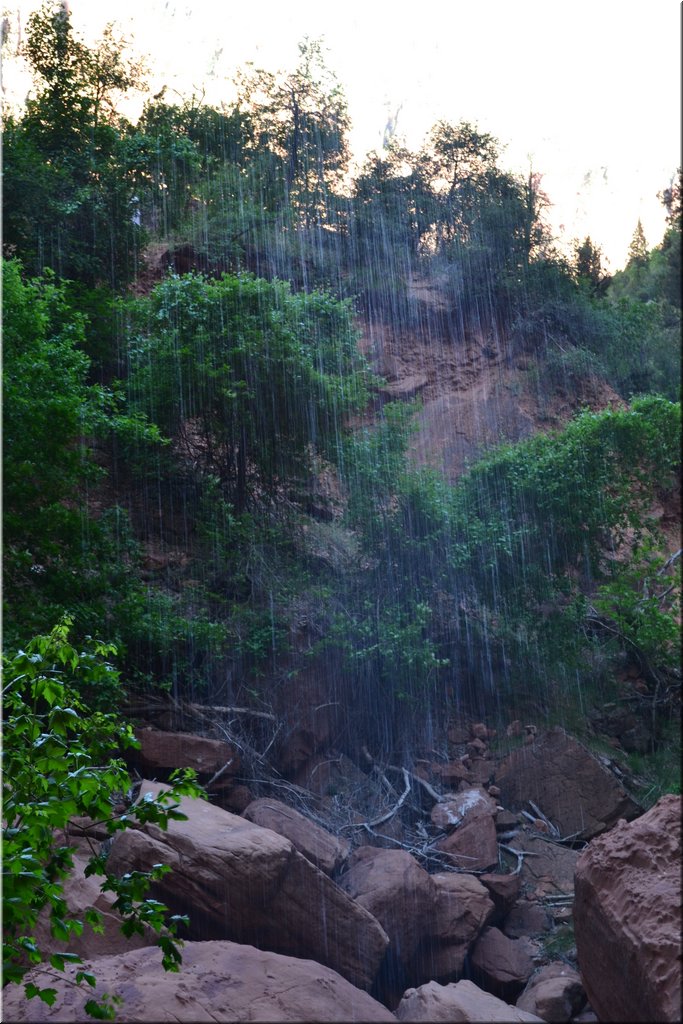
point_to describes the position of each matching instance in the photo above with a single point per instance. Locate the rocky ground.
(522, 887)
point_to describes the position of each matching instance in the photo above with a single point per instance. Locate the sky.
(586, 93)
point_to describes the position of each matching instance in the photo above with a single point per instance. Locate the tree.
(588, 266)
(68, 191)
(249, 376)
(302, 116)
(638, 250)
(54, 554)
(58, 765)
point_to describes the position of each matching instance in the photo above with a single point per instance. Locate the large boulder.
(627, 917)
(239, 881)
(392, 886)
(322, 848)
(217, 982)
(463, 908)
(554, 993)
(455, 1003)
(572, 788)
(161, 752)
(473, 845)
(547, 868)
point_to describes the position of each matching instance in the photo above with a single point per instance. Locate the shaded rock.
(451, 773)
(239, 881)
(462, 1001)
(549, 868)
(527, 918)
(323, 849)
(473, 845)
(231, 798)
(463, 908)
(554, 993)
(161, 752)
(218, 981)
(503, 890)
(627, 917)
(481, 770)
(572, 788)
(501, 965)
(505, 820)
(392, 886)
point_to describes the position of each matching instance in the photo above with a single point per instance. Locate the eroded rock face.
(579, 795)
(218, 981)
(323, 849)
(627, 917)
(239, 881)
(461, 1001)
(392, 886)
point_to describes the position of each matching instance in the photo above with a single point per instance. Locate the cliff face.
(474, 387)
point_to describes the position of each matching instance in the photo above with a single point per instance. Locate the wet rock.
(465, 805)
(477, 748)
(392, 886)
(239, 881)
(323, 849)
(572, 788)
(451, 773)
(231, 798)
(505, 820)
(463, 908)
(549, 868)
(480, 731)
(473, 845)
(162, 752)
(503, 890)
(627, 917)
(526, 918)
(462, 1001)
(481, 770)
(217, 982)
(501, 965)
(554, 993)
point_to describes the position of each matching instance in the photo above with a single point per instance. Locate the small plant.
(59, 765)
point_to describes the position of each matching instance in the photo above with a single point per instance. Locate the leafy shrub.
(59, 765)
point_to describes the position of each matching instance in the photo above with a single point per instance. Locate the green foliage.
(487, 570)
(56, 557)
(59, 764)
(67, 191)
(247, 375)
(641, 603)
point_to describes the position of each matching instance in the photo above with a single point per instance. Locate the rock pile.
(296, 923)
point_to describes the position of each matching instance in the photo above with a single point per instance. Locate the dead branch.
(519, 854)
(221, 771)
(554, 831)
(202, 709)
(389, 814)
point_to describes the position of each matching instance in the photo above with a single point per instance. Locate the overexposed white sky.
(587, 92)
